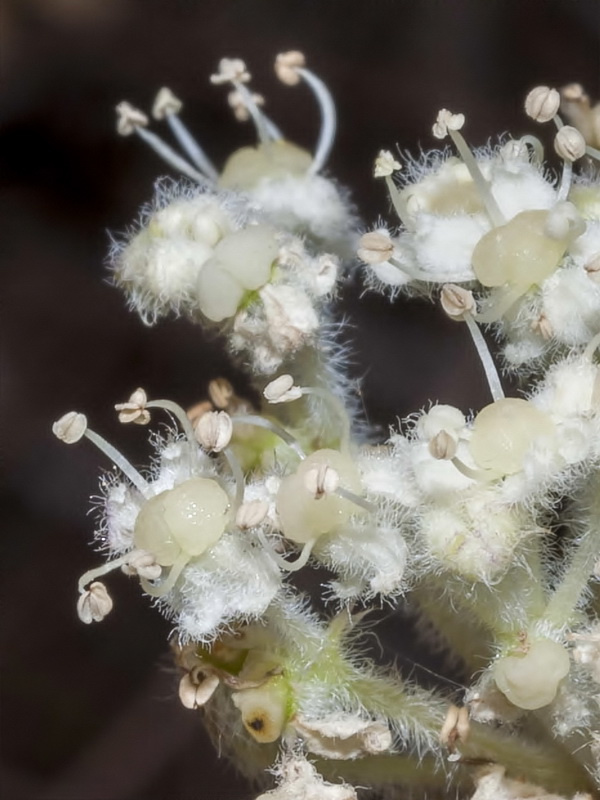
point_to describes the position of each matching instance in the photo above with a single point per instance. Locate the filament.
(482, 186)
(191, 147)
(98, 572)
(170, 156)
(118, 460)
(262, 422)
(283, 563)
(328, 119)
(483, 351)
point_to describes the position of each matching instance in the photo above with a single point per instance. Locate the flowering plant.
(488, 518)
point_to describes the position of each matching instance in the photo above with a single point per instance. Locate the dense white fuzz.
(298, 778)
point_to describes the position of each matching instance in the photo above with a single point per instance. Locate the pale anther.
(134, 410)
(443, 446)
(457, 302)
(94, 604)
(237, 103)
(251, 514)
(70, 427)
(321, 479)
(213, 430)
(569, 143)
(166, 103)
(194, 695)
(220, 392)
(447, 121)
(375, 247)
(385, 164)
(542, 103)
(231, 70)
(144, 564)
(574, 93)
(542, 326)
(282, 390)
(129, 118)
(286, 66)
(592, 267)
(455, 727)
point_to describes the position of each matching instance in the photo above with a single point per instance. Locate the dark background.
(89, 713)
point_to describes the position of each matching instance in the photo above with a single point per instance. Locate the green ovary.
(187, 519)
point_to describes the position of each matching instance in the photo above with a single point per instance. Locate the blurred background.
(90, 713)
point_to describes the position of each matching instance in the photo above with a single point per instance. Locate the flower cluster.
(484, 525)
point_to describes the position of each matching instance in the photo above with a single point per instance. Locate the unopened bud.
(375, 247)
(220, 392)
(166, 103)
(282, 390)
(129, 118)
(251, 514)
(385, 164)
(134, 410)
(286, 67)
(447, 121)
(541, 104)
(456, 301)
(70, 427)
(569, 143)
(213, 430)
(94, 604)
(321, 479)
(443, 446)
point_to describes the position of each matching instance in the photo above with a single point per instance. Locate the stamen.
(450, 124)
(167, 106)
(178, 413)
(479, 475)
(94, 574)
(356, 499)
(328, 119)
(537, 147)
(238, 476)
(262, 422)
(260, 122)
(398, 203)
(169, 582)
(283, 563)
(118, 460)
(169, 155)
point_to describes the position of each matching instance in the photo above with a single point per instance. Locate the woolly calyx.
(187, 519)
(305, 514)
(530, 680)
(504, 431)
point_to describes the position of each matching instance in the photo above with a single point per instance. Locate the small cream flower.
(385, 164)
(134, 410)
(94, 604)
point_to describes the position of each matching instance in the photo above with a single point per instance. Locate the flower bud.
(70, 427)
(569, 143)
(541, 104)
(286, 67)
(213, 430)
(375, 247)
(457, 302)
(166, 103)
(94, 604)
